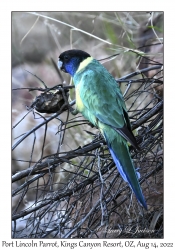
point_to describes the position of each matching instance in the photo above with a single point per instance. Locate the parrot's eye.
(66, 58)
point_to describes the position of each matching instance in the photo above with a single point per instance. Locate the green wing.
(102, 97)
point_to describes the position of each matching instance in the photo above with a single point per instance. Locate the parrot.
(100, 100)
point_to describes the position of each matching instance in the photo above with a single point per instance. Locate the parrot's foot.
(74, 111)
(91, 125)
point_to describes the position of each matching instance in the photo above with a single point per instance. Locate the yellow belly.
(79, 103)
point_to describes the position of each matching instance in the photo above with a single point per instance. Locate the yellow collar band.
(84, 63)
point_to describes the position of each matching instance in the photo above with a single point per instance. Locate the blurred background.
(42, 204)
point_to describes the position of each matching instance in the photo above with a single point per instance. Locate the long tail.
(121, 156)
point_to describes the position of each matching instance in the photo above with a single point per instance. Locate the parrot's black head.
(70, 60)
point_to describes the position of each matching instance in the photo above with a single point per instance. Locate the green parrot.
(99, 100)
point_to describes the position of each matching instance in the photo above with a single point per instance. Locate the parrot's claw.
(74, 111)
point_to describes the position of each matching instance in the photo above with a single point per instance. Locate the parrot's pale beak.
(60, 64)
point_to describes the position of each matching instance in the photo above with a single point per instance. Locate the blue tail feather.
(126, 178)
